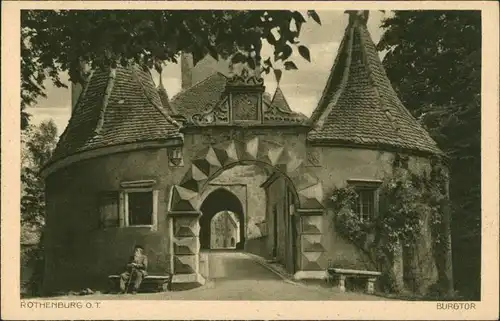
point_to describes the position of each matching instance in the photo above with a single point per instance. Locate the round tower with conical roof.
(358, 129)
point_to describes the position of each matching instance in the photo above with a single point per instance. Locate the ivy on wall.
(406, 201)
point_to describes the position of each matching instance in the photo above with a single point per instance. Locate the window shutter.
(154, 219)
(122, 209)
(109, 209)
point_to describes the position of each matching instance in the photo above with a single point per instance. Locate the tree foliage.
(434, 63)
(65, 40)
(38, 142)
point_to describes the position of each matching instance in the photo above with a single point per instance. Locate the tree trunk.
(442, 252)
(447, 268)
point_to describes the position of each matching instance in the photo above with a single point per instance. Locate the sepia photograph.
(251, 155)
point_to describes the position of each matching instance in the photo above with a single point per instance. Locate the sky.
(302, 87)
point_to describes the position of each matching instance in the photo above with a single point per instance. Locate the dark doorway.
(218, 201)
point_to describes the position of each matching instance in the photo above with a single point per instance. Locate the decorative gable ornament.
(241, 102)
(246, 80)
(175, 158)
(245, 97)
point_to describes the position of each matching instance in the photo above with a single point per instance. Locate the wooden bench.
(151, 283)
(339, 276)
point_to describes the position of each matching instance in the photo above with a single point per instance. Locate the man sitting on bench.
(136, 269)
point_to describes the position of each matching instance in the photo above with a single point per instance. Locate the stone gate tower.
(133, 167)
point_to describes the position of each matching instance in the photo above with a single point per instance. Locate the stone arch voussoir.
(213, 159)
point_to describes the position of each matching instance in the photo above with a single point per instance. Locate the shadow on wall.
(258, 246)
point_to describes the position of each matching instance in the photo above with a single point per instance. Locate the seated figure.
(136, 271)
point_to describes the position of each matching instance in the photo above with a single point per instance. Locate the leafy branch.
(53, 42)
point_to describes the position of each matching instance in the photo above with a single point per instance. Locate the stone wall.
(286, 252)
(76, 245)
(195, 140)
(293, 138)
(341, 164)
(251, 177)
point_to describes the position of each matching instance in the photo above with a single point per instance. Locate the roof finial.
(359, 15)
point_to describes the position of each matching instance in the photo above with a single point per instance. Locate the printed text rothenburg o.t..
(59, 305)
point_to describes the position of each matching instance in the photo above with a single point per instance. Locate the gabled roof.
(198, 98)
(117, 106)
(359, 105)
(232, 218)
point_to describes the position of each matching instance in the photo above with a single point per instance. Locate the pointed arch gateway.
(217, 202)
(212, 161)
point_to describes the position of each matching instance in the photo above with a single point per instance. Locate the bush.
(406, 199)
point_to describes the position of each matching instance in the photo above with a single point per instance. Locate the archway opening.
(220, 203)
(225, 231)
(263, 201)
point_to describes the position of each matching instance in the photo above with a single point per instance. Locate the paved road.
(236, 276)
(227, 266)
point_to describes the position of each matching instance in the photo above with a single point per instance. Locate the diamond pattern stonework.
(212, 159)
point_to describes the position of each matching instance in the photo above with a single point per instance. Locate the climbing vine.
(407, 200)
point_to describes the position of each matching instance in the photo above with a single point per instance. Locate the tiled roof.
(116, 107)
(198, 98)
(359, 105)
(279, 100)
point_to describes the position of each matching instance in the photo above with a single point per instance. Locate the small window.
(365, 205)
(139, 204)
(140, 208)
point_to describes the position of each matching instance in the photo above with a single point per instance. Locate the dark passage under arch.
(220, 200)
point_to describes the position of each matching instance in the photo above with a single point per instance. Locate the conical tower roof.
(117, 106)
(359, 105)
(278, 110)
(279, 100)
